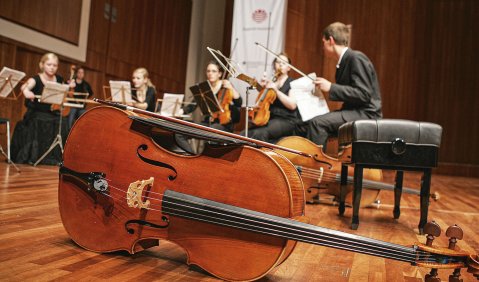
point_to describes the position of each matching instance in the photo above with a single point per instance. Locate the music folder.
(205, 98)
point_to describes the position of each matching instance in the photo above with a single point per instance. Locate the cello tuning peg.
(432, 230)
(454, 233)
(455, 276)
(432, 276)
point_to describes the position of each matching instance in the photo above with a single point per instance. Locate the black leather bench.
(400, 145)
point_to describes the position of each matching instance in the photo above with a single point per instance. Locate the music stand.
(231, 67)
(252, 85)
(205, 98)
(9, 78)
(54, 93)
(171, 105)
(121, 91)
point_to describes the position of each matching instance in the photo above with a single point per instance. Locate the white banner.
(261, 21)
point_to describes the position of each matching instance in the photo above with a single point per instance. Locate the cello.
(321, 174)
(231, 232)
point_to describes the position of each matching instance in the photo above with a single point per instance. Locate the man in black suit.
(356, 86)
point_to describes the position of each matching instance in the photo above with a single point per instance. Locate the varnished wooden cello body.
(118, 190)
(321, 173)
(101, 221)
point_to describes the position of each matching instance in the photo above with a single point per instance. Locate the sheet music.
(54, 93)
(309, 104)
(9, 78)
(121, 91)
(171, 105)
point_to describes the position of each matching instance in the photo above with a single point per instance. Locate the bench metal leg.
(398, 193)
(358, 185)
(425, 192)
(343, 189)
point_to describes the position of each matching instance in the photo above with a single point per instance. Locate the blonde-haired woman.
(144, 92)
(34, 134)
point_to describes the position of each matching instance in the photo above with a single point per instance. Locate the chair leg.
(343, 189)
(358, 185)
(425, 191)
(398, 193)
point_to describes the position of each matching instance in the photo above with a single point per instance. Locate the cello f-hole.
(315, 157)
(146, 223)
(144, 147)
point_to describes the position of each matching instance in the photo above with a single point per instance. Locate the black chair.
(399, 145)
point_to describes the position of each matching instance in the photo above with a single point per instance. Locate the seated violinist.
(35, 133)
(230, 100)
(284, 114)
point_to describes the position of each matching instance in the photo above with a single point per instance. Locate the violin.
(231, 232)
(58, 107)
(260, 114)
(321, 174)
(225, 98)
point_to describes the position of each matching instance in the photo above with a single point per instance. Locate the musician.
(34, 134)
(144, 92)
(214, 74)
(284, 114)
(356, 86)
(81, 86)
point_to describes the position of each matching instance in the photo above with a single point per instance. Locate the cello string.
(122, 190)
(366, 183)
(161, 211)
(354, 247)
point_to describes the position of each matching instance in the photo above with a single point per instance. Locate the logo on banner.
(259, 15)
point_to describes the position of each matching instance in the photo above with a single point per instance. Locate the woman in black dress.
(284, 114)
(34, 134)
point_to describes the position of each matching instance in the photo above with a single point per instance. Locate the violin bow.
(284, 61)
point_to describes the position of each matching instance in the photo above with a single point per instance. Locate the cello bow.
(202, 128)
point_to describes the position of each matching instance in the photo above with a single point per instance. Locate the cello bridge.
(135, 192)
(320, 177)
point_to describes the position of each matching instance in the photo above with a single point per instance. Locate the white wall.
(206, 30)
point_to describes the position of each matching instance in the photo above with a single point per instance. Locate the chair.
(399, 145)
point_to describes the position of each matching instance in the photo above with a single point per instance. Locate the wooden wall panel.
(156, 37)
(148, 33)
(58, 18)
(424, 53)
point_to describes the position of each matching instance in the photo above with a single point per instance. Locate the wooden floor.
(34, 245)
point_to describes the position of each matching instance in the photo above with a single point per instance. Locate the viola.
(321, 174)
(121, 190)
(225, 97)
